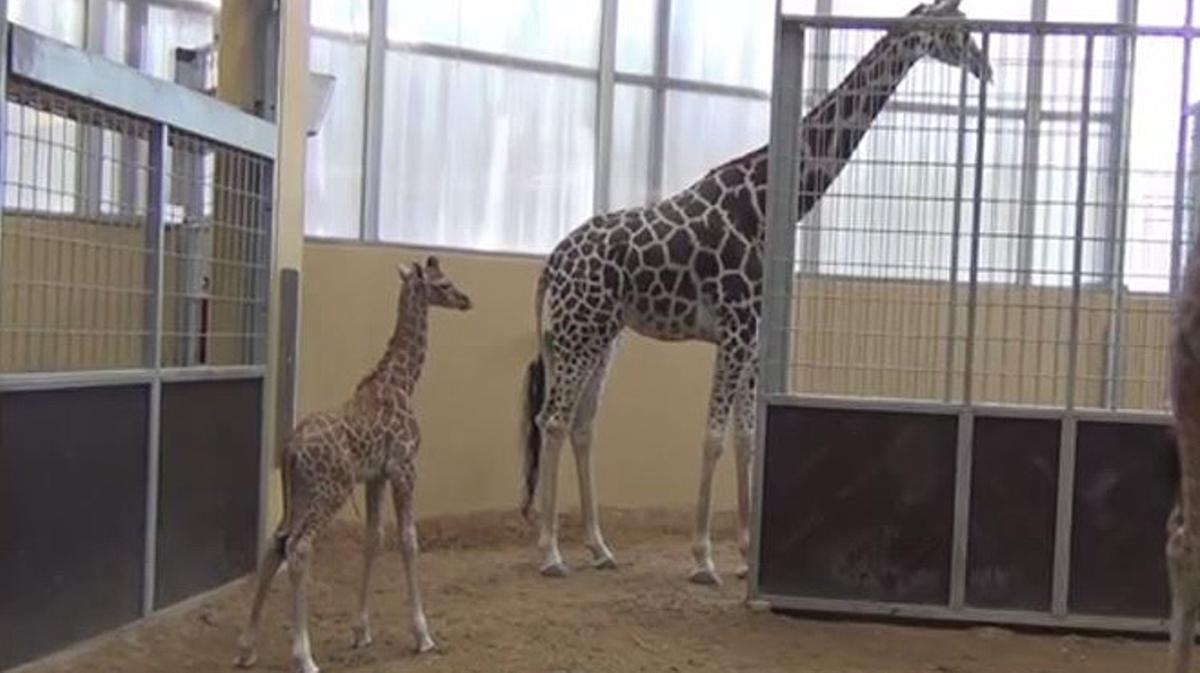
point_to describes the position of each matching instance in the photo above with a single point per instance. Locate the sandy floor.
(490, 611)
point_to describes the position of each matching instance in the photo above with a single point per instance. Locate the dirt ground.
(491, 612)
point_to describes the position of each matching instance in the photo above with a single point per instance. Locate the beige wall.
(647, 449)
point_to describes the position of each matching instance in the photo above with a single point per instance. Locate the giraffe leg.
(567, 374)
(720, 402)
(268, 567)
(744, 444)
(299, 558)
(1185, 594)
(409, 549)
(374, 536)
(581, 441)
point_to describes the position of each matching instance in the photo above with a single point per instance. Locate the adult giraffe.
(690, 268)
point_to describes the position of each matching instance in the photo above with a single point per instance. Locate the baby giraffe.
(372, 438)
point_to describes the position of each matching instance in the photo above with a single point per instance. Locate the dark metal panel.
(72, 515)
(1014, 481)
(1118, 536)
(858, 504)
(289, 328)
(208, 498)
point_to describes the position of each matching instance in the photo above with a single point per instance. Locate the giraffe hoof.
(362, 639)
(706, 577)
(742, 571)
(554, 569)
(302, 666)
(426, 644)
(605, 563)
(246, 659)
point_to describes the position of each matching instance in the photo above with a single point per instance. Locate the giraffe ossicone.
(373, 438)
(689, 267)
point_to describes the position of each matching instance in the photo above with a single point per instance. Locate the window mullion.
(373, 122)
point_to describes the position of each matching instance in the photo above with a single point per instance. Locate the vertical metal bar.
(1118, 211)
(1181, 158)
(1031, 149)
(956, 231)
(373, 127)
(4, 150)
(137, 19)
(976, 222)
(778, 254)
(155, 222)
(658, 104)
(966, 423)
(605, 87)
(1067, 449)
(90, 161)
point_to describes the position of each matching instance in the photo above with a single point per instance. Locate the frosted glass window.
(41, 156)
(1055, 213)
(805, 7)
(563, 31)
(484, 157)
(60, 19)
(1088, 11)
(704, 130)
(168, 29)
(637, 22)
(1018, 10)
(629, 179)
(333, 173)
(115, 30)
(352, 17)
(723, 42)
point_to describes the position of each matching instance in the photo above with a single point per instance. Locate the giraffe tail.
(535, 395)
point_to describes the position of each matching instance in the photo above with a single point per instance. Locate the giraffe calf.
(373, 438)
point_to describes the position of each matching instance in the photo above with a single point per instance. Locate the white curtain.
(484, 157)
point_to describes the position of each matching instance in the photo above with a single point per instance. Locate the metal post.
(155, 222)
(137, 20)
(966, 419)
(1066, 453)
(4, 149)
(778, 253)
(90, 163)
(1031, 149)
(605, 85)
(1118, 213)
(956, 231)
(1181, 158)
(373, 128)
(658, 106)
(810, 233)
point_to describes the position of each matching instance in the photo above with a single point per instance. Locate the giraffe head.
(428, 282)
(952, 45)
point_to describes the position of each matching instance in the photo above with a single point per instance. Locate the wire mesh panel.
(74, 284)
(217, 252)
(1002, 222)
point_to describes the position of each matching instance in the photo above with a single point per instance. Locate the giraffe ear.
(432, 262)
(405, 274)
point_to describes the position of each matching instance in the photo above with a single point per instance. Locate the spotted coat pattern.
(690, 267)
(372, 438)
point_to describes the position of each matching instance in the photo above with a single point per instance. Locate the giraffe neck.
(832, 130)
(400, 367)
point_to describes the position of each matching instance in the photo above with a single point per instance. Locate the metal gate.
(135, 258)
(965, 343)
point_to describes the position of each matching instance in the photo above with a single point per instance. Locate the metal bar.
(4, 149)
(373, 122)
(488, 58)
(810, 230)
(212, 373)
(1118, 213)
(976, 222)
(981, 410)
(990, 26)
(956, 231)
(658, 104)
(1181, 159)
(1061, 583)
(156, 206)
(977, 615)
(90, 76)
(90, 162)
(779, 254)
(964, 453)
(1031, 149)
(10, 383)
(605, 86)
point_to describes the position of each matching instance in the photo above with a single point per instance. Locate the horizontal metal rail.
(37, 381)
(92, 77)
(991, 26)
